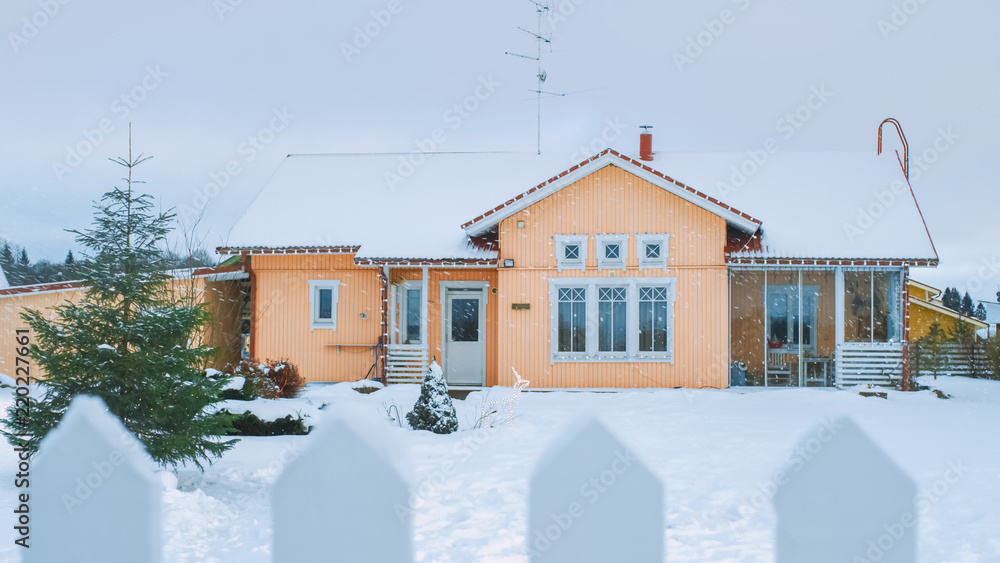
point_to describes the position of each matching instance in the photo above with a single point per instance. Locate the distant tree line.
(953, 300)
(21, 270)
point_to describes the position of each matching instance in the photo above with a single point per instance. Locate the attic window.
(612, 251)
(653, 250)
(571, 252)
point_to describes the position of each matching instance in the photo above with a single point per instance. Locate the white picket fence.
(96, 499)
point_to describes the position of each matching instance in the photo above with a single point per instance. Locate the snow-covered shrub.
(249, 424)
(286, 376)
(434, 410)
(268, 380)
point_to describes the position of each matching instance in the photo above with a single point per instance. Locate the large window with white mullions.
(612, 319)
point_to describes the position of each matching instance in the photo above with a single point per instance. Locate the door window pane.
(572, 321)
(652, 319)
(464, 320)
(611, 325)
(325, 304)
(412, 316)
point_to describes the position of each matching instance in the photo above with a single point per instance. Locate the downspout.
(906, 383)
(245, 256)
(384, 338)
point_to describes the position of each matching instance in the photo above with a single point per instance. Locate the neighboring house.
(615, 272)
(3, 279)
(219, 288)
(992, 312)
(926, 308)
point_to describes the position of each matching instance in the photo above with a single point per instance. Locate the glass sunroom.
(816, 327)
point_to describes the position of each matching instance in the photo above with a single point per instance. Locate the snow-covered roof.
(809, 203)
(3, 279)
(835, 205)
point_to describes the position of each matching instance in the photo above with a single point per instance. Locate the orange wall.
(281, 313)
(613, 201)
(222, 300)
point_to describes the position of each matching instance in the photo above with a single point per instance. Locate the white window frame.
(405, 287)
(314, 321)
(561, 262)
(612, 263)
(591, 353)
(640, 249)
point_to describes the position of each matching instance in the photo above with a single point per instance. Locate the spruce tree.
(981, 312)
(7, 257)
(967, 309)
(127, 340)
(952, 299)
(434, 410)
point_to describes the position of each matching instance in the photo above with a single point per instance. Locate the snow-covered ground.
(713, 449)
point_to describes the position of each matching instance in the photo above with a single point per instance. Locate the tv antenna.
(541, 10)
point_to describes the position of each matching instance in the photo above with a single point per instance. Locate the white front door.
(465, 337)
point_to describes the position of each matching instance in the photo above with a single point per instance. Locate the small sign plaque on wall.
(520, 306)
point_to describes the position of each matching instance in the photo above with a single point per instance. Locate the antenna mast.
(541, 9)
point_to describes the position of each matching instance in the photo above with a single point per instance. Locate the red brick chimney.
(646, 143)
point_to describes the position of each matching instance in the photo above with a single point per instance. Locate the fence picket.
(841, 499)
(343, 499)
(591, 499)
(94, 495)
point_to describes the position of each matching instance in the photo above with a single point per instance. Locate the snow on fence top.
(829, 205)
(94, 497)
(342, 497)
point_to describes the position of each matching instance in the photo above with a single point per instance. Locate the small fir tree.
(434, 410)
(952, 299)
(931, 350)
(127, 341)
(7, 258)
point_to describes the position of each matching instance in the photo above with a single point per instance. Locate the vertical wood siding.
(613, 201)
(282, 315)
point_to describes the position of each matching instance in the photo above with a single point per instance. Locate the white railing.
(406, 363)
(95, 498)
(869, 364)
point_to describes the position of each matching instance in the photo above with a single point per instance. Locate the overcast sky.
(238, 84)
